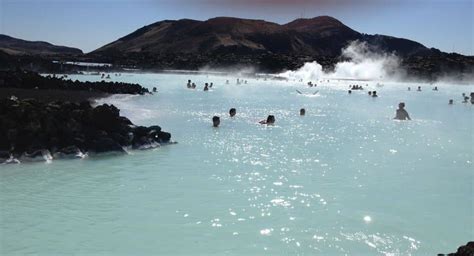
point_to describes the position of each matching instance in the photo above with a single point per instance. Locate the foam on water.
(344, 178)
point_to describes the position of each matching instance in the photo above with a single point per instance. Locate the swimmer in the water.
(232, 112)
(419, 88)
(401, 113)
(451, 101)
(206, 87)
(349, 91)
(302, 112)
(409, 88)
(374, 94)
(189, 84)
(216, 121)
(193, 86)
(435, 88)
(270, 120)
(370, 93)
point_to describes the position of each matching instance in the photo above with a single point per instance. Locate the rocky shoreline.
(46, 118)
(463, 250)
(31, 80)
(41, 131)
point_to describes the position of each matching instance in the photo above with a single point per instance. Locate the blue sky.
(88, 24)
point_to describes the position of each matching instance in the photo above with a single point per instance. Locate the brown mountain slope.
(14, 46)
(323, 36)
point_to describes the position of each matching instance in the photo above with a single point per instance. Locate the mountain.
(15, 46)
(232, 42)
(321, 35)
(228, 41)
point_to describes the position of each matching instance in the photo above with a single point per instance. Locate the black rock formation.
(32, 128)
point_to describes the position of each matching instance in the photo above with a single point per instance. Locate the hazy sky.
(89, 24)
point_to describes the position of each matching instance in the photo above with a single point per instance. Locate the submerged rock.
(69, 152)
(36, 156)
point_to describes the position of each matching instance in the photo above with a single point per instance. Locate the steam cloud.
(362, 63)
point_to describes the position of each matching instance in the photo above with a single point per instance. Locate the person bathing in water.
(232, 112)
(270, 120)
(401, 113)
(206, 87)
(216, 121)
(189, 84)
(302, 112)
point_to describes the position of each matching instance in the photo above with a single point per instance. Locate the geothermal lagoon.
(343, 179)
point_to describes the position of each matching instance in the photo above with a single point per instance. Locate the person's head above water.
(302, 112)
(401, 105)
(451, 101)
(216, 121)
(232, 112)
(270, 119)
(370, 92)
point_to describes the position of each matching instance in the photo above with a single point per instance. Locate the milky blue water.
(344, 179)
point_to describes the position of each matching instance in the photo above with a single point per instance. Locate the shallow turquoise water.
(344, 179)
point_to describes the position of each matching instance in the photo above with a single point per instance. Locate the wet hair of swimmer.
(216, 121)
(232, 112)
(302, 112)
(270, 119)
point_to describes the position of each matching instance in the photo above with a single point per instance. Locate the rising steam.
(362, 62)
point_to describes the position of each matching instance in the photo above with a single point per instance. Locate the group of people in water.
(192, 85)
(465, 99)
(356, 87)
(216, 120)
(371, 93)
(401, 112)
(239, 81)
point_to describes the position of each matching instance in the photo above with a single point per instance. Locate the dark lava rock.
(464, 250)
(69, 152)
(32, 129)
(31, 80)
(102, 145)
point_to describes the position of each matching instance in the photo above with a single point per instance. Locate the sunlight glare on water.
(343, 179)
